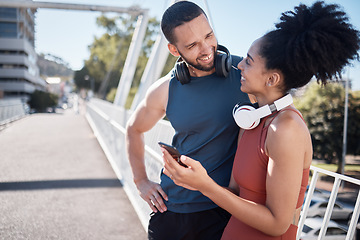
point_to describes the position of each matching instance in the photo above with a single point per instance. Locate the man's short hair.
(176, 15)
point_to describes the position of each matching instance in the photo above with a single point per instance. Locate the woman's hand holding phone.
(173, 152)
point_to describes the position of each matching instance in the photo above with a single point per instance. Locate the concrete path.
(56, 183)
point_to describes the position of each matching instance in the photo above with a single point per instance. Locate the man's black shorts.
(204, 225)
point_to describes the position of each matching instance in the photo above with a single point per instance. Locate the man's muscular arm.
(146, 115)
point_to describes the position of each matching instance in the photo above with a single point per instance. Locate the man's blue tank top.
(201, 114)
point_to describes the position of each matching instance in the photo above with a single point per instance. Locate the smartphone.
(173, 152)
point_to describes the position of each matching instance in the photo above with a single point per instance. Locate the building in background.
(19, 73)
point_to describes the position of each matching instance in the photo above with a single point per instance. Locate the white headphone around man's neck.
(248, 117)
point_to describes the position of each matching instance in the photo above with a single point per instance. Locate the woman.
(271, 167)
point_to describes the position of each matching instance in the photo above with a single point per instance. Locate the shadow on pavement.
(60, 184)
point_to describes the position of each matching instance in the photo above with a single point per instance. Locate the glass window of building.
(8, 13)
(8, 30)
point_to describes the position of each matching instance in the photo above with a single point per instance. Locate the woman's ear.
(274, 79)
(173, 50)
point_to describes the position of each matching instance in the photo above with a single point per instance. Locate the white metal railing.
(108, 123)
(338, 178)
(10, 110)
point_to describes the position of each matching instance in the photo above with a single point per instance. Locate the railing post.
(329, 208)
(354, 219)
(310, 193)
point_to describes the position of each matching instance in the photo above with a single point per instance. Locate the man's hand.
(153, 194)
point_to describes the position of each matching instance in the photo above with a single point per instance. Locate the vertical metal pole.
(153, 68)
(329, 208)
(92, 82)
(345, 124)
(209, 16)
(306, 205)
(354, 220)
(131, 60)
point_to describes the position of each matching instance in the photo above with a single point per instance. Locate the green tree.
(323, 111)
(111, 95)
(40, 100)
(108, 52)
(79, 78)
(353, 143)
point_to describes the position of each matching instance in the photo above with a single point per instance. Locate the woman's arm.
(285, 144)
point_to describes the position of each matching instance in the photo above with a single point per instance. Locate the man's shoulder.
(158, 91)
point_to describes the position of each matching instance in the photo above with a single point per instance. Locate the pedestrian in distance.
(197, 97)
(271, 166)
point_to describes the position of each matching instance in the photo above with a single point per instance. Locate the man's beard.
(198, 66)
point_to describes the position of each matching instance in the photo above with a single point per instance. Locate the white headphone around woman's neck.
(248, 117)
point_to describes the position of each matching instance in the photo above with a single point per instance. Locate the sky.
(237, 23)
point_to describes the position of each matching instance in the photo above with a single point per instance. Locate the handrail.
(108, 122)
(330, 206)
(11, 110)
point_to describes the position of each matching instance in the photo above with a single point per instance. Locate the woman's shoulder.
(288, 122)
(288, 132)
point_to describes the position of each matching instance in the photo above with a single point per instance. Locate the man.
(199, 104)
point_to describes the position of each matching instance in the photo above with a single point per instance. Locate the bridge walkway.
(56, 183)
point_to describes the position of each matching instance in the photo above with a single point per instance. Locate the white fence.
(108, 123)
(338, 179)
(10, 110)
